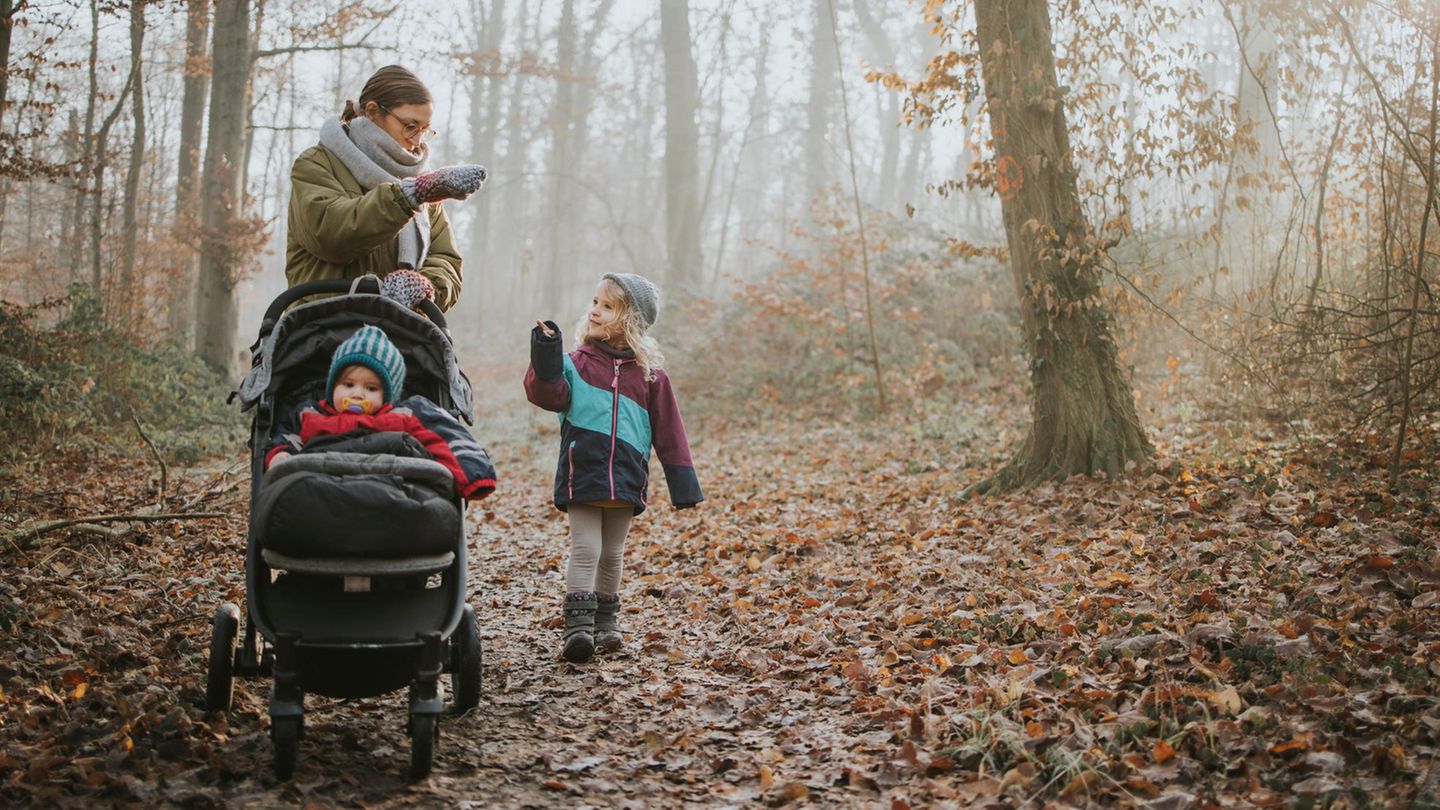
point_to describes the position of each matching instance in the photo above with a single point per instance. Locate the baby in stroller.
(355, 561)
(366, 375)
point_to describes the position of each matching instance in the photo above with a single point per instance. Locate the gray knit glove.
(449, 183)
(407, 287)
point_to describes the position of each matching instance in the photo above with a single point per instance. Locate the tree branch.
(341, 46)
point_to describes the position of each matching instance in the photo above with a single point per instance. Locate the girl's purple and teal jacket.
(610, 417)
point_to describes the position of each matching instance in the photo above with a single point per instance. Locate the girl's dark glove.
(546, 356)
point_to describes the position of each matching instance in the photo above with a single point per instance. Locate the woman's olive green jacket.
(339, 230)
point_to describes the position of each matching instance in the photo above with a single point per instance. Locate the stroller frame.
(322, 639)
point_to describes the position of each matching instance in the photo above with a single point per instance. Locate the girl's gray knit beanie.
(643, 295)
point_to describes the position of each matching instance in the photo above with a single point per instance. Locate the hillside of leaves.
(1250, 621)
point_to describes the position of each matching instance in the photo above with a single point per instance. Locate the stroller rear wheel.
(285, 739)
(465, 664)
(424, 732)
(220, 678)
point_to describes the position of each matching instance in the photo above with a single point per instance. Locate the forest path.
(834, 626)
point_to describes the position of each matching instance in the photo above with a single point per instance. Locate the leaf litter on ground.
(836, 625)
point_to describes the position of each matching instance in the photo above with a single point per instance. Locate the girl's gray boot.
(579, 626)
(607, 622)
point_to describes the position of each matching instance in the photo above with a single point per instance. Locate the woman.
(361, 202)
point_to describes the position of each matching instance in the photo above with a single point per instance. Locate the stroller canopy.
(299, 347)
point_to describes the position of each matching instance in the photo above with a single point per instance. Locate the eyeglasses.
(411, 130)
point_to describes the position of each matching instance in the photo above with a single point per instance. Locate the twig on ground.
(205, 492)
(29, 533)
(164, 468)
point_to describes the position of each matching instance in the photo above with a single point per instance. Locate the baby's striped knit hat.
(369, 347)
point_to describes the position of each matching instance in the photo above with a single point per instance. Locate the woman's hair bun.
(350, 112)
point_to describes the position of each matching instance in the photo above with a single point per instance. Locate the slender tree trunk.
(859, 220)
(561, 164)
(485, 96)
(75, 244)
(222, 207)
(8, 10)
(682, 148)
(515, 214)
(1431, 179)
(187, 175)
(759, 100)
(98, 215)
(823, 71)
(129, 294)
(1083, 415)
(883, 52)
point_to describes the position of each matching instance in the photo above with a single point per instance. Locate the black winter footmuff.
(354, 505)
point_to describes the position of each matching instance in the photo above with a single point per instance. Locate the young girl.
(614, 402)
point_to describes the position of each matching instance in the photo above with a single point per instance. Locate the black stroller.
(355, 563)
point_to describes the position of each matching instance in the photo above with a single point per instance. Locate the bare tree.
(70, 236)
(823, 73)
(8, 11)
(131, 227)
(222, 210)
(1083, 416)
(682, 147)
(187, 174)
(882, 50)
(97, 178)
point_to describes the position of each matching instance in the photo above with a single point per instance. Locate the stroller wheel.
(285, 738)
(220, 678)
(424, 731)
(465, 666)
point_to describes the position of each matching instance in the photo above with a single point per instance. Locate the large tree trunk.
(187, 175)
(682, 147)
(1083, 415)
(130, 230)
(223, 189)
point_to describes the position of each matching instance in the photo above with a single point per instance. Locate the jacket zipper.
(614, 425)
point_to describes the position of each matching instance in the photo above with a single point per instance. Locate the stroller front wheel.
(285, 738)
(424, 731)
(220, 678)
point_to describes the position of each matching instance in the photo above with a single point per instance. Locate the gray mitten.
(407, 287)
(449, 183)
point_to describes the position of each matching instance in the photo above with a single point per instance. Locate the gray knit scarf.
(374, 158)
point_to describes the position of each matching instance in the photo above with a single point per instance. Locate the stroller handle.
(337, 285)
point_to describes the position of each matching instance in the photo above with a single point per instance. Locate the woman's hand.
(449, 183)
(279, 457)
(545, 330)
(407, 287)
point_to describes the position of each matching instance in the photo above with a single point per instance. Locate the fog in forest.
(816, 181)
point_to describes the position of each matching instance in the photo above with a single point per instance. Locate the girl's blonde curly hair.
(631, 331)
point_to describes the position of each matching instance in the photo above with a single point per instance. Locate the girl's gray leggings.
(597, 548)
